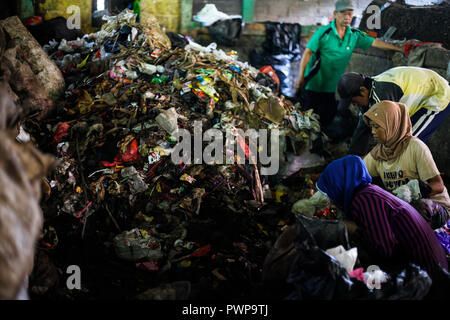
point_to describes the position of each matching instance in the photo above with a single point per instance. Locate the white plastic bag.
(408, 192)
(209, 14)
(305, 160)
(167, 119)
(147, 68)
(320, 200)
(345, 257)
(304, 207)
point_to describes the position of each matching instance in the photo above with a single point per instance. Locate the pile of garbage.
(131, 95)
(163, 192)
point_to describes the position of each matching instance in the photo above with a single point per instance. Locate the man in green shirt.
(334, 44)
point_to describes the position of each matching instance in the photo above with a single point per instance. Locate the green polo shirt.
(335, 54)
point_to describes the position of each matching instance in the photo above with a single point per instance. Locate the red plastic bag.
(200, 252)
(34, 20)
(62, 130)
(269, 70)
(410, 46)
(358, 274)
(131, 154)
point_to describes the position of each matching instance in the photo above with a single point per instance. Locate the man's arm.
(436, 184)
(303, 63)
(380, 44)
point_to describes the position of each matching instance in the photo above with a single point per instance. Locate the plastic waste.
(209, 14)
(412, 283)
(150, 68)
(227, 32)
(408, 192)
(271, 72)
(308, 207)
(64, 46)
(304, 207)
(23, 136)
(131, 74)
(61, 131)
(347, 258)
(305, 160)
(109, 99)
(167, 119)
(137, 244)
(137, 184)
(314, 273)
(327, 233)
(281, 50)
(195, 46)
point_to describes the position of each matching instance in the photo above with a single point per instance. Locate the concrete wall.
(167, 12)
(304, 12)
(176, 15)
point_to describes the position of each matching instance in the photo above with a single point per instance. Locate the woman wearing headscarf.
(393, 228)
(404, 163)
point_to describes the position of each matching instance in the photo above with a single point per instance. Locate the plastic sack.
(347, 258)
(167, 119)
(150, 68)
(281, 50)
(61, 132)
(304, 207)
(408, 192)
(374, 277)
(271, 72)
(309, 206)
(195, 46)
(53, 29)
(177, 40)
(32, 21)
(412, 283)
(209, 15)
(136, 244)
(282, 38)
(305, 160)
(279, 260)
(137, 184)
(283, 65)
(404, 193)
(317, 275)
(314, 273)
(327, 233)
(131, 153)
(227, 32)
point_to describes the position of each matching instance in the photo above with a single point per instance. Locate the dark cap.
(348, 87)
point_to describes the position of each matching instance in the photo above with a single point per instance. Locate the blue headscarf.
(341, 177)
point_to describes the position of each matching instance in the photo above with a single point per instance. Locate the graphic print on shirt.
(394, 179)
